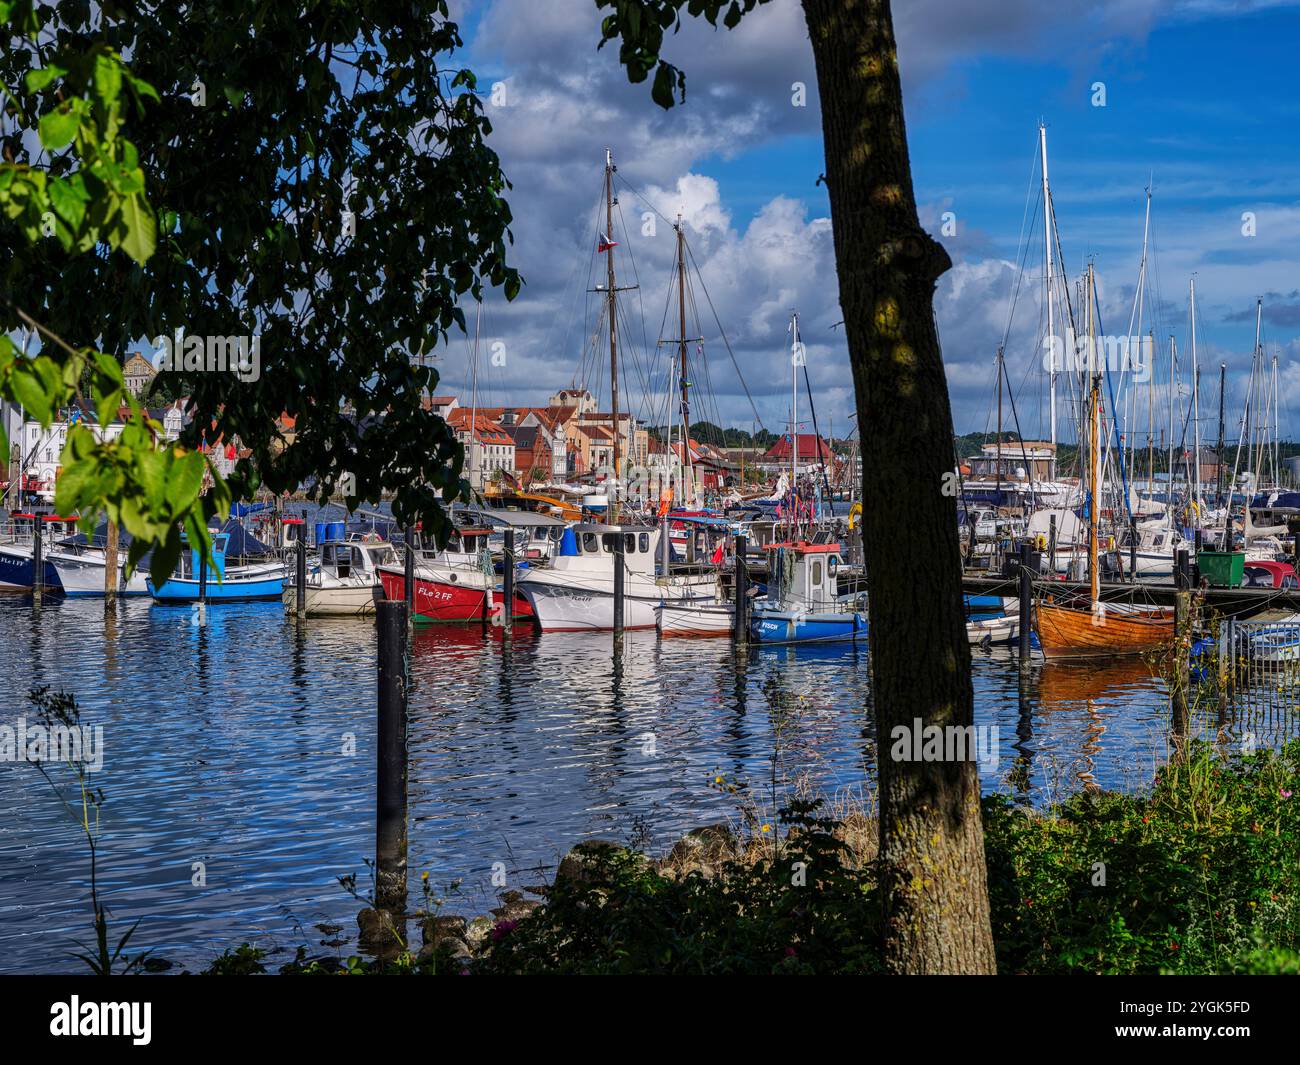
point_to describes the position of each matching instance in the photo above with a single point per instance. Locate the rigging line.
(645, 340)
(723, 333)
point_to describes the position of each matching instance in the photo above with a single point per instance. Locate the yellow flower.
(424, 875)
(766, 828)
(717, 780)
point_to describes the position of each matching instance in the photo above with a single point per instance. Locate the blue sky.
(1198, 103)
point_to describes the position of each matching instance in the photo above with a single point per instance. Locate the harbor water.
(239, 761)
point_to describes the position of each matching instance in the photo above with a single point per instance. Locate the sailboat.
(1099, 630)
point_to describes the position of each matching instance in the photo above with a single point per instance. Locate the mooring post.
(1132, 548)
(1026, 605)
(203, 588)
(390, 787)
(508, 583)
(110, 567)
(300, 577)
(1182, 646)
(38, 561)
(408, 574)
(1199, 540)
(740, 624)
(618, 589)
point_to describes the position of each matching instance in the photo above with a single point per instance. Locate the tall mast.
(1277, 474)
(1218, 462)
(794, 420)
(1251, 391)
(998, 472)
(1173, 385)
(613, 330)
(1196, 412)
(1094, 454)
(688, 474)
(1047, 257)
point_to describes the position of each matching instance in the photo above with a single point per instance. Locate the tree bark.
(933, 875)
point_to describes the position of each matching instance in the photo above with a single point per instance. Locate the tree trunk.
(933, 875)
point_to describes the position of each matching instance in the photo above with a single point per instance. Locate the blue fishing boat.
(803, 604)
(239, 584)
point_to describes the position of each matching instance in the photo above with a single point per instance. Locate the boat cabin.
(355, 558)
(537, 536)
(804, 576)
(592, 545)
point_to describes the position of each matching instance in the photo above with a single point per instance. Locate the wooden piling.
(300, 578)
(619, 569)
(203, 588)
(390, 786)
(1132, 548)
(508, 582)
(1026, 605)
(110, 567)
(38, 561)
(1182, 648)
(408, 574)
(740, 625)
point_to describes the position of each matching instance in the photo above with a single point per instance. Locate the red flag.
(604, 244)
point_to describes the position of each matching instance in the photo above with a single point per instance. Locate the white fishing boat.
(346, 582)
(577, 591)
(81, 571)
(990, 631)
(695, 619)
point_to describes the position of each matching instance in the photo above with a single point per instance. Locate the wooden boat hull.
(1066, 632)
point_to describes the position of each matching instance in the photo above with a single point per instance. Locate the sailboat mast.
(688, 473)
(1173, 387)
(1218, 461)
(794, 421)
(1196, 412)
(1047, 257)
(1094, 452)
(613, 330)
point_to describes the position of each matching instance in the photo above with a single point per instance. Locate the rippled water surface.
(248, 746)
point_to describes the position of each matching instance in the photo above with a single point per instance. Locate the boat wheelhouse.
(576, 592)
(803, 603)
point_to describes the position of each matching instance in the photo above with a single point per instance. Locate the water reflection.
(247, 744)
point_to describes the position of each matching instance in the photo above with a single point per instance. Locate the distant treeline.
(1067, 455)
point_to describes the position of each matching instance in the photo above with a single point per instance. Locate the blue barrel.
(322, 529)
(336, 530)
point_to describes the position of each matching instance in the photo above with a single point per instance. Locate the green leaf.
(36, 80)
(68, 200)
(184, 480)
(59, 127)
(141, 229)
(108, 78)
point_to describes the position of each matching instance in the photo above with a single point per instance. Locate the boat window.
(607, 542)
(817, 573)
(629, 543)
(589, 543)
(643, 540)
